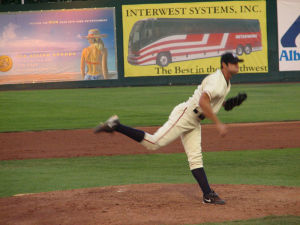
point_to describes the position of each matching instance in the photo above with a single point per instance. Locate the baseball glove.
(230, 103)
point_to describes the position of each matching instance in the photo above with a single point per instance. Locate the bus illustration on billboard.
(161, 41)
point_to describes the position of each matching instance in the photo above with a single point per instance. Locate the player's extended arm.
(204, 103)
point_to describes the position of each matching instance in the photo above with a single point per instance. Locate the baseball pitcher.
(185, 121)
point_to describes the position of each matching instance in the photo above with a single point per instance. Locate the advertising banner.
(288, 15)
(188, 38)
(57, 45)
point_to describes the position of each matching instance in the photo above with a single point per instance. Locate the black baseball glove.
(230, 103)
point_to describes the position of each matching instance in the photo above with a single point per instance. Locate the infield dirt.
(77, 143)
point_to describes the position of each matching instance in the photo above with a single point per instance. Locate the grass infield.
(269, 220)
(136, 106)
(264, 167)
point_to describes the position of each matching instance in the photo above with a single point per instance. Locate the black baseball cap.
(229, 57)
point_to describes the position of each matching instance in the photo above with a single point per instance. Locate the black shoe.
(213, 198)
(109, 126)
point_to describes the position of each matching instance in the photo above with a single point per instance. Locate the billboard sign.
(57, 45)
(288, 35)
(188, 38)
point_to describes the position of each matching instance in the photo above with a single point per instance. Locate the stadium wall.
(273, 75)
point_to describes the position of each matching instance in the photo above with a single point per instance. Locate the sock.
(135, 134)
(201, 178)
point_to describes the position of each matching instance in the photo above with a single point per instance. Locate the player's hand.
(222, 129)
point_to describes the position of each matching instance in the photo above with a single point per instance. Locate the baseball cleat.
(109, 126)
(213, 198)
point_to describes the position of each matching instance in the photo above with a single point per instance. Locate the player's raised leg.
(171, 130)
(113, 124)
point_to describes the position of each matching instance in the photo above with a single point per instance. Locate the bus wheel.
(248, 49)
(163, 59)
(239, 50)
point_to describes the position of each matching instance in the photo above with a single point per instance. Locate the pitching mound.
(148, 204)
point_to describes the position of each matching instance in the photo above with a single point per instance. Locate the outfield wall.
(272, 75)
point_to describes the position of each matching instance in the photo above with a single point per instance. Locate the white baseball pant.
(182, 122)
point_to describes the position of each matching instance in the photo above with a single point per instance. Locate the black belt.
(201, 116)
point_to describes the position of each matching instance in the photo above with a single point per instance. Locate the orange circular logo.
(5, 63)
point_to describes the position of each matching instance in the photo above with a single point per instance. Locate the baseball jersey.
(216, 87)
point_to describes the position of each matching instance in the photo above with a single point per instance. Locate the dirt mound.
(148, 204)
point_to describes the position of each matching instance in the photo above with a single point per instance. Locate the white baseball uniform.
(184, 121)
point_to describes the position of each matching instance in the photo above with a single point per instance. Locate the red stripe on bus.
(212, 40)
(177, 54)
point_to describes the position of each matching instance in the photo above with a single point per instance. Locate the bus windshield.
(141, 35)
(135, 36)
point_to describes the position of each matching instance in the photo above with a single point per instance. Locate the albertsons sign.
(289, 34)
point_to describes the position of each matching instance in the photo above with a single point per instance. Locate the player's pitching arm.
(204, 103)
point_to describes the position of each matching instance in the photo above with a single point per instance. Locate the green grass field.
(145, 106)
(267, 167)
(137, 106)
(269, 220)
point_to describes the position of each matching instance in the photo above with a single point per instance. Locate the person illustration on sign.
(94, 57)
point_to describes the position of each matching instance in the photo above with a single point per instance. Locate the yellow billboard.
(188, 38)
